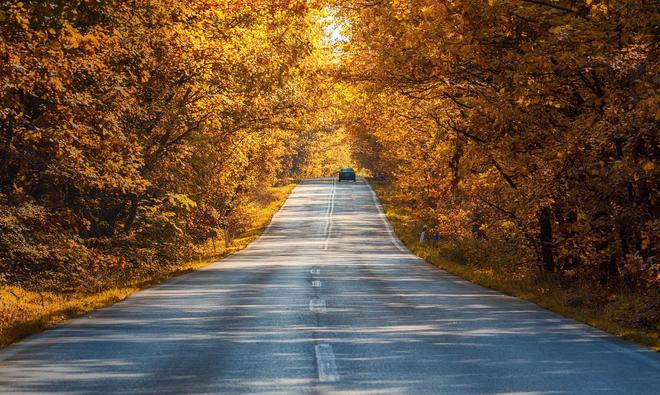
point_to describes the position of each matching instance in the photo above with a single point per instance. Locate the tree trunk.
(227, 237)
(4, 158)
(132, 212)
(454, 165)
(545, 225)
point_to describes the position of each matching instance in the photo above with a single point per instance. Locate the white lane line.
(327, 210)
(390, 231)
(325, 361)
(328, 216)
(315, 271)
(316, 284)
(317, 305)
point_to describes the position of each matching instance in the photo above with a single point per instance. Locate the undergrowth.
(633, 314)
(24, 312)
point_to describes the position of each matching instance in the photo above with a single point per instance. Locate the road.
(326, 301)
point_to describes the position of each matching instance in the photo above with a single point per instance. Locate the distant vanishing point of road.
(326, 301)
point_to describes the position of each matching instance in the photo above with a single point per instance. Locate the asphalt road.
(326, 301)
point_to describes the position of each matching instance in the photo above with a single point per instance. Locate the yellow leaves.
(523, 101)
(90, 41)
(181, 200)
(401, 9)
(398, 4)
(428, 12)
(556, 29)
(56, 83)
(19, 15)
(71, 37)
(14, 60)
(648, 166)
(599, 7)
(507, 224)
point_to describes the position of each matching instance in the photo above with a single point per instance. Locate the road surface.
(326, 301)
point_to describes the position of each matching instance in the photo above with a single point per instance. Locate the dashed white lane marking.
(315, 271)
(325, 361)
(390, 232)
(316, 284)
(317, 305)
(328, 215)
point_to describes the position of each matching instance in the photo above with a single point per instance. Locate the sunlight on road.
(284, 315)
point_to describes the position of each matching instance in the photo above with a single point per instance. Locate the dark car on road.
(347, 174)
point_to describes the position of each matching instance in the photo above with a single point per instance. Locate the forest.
(531, 123)
(133, 131)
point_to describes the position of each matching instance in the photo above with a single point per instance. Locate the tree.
(131, 130)
(532, 123)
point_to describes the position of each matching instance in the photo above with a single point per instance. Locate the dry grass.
(23, 312)
(630, 314)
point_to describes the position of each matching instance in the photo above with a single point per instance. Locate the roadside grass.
(626, 313)
(24, 312)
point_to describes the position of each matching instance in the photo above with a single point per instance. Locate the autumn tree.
(528, 122)
(131, 130)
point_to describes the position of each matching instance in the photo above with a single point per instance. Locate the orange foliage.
(528, 122)
(131, 130)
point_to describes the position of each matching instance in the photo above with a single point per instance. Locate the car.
(347, 174)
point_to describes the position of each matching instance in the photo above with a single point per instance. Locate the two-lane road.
(326, 301)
